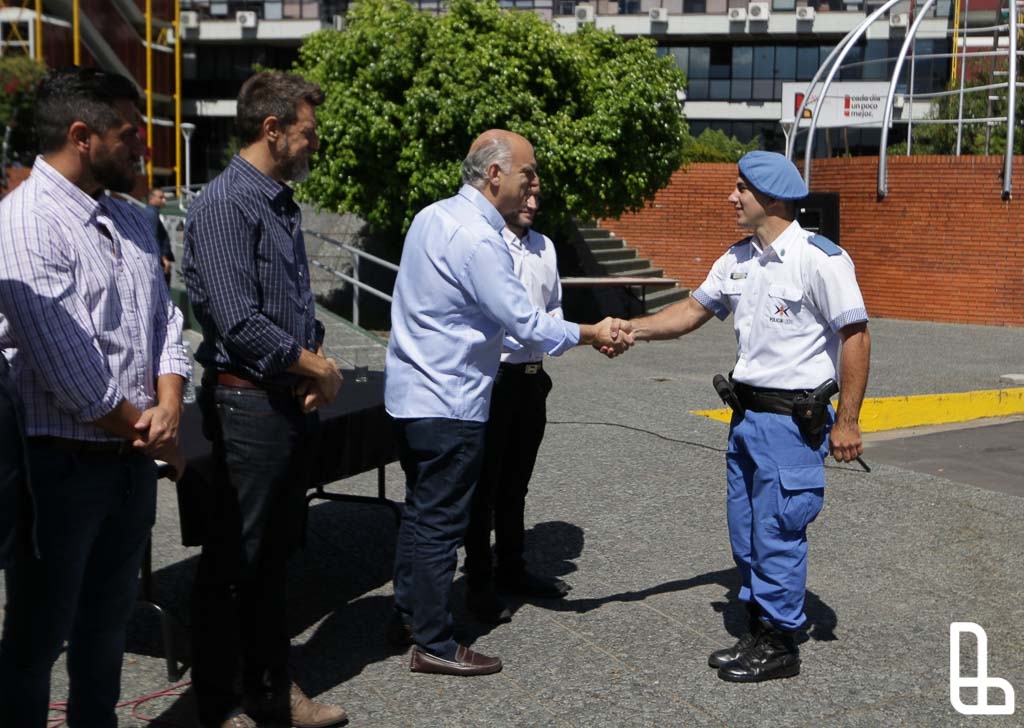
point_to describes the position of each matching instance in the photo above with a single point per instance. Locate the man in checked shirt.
(264, 376)
(94, 346)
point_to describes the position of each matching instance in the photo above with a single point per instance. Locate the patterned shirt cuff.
(175, 365)
(111, 398)
(711, 304)
(856, 316)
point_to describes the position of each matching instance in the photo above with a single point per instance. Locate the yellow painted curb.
(892, 413)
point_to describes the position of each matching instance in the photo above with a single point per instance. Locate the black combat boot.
(773, 655)
(724, 656)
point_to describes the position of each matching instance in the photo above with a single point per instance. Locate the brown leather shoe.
(466, 663)
(309, 714)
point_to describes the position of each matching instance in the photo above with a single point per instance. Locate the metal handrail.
(357, 284)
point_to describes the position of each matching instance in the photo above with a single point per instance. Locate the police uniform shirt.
(535, 264)
(789, 300)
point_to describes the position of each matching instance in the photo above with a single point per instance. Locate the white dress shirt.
(455, 297)
(788, 301)
(535, 264)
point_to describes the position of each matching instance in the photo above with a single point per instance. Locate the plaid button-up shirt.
(247, 276)
(85, 317)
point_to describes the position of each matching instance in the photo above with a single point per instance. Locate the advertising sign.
(848, 103)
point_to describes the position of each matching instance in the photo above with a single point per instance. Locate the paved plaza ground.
(627, 506)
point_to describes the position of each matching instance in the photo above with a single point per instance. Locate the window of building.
(756, 73)
(629, 7)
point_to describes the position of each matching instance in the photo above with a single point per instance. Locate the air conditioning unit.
(899, 20)
(340, 23)
(246, 18)
(759, 11)
(189, 19)
(737, 15)
(659, 15)
(805, 13)
(584, 13)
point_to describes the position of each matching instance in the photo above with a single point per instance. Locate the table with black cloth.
(356, 435)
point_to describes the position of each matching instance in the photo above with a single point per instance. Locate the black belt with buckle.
(83, 447)
(529, 367)
(775, 401)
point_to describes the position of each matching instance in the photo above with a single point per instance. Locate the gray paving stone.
(627, 505)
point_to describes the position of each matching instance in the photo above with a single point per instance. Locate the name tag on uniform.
(737, 276)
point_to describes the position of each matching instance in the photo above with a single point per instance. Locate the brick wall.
(942, 245)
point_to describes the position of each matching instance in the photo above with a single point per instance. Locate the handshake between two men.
(611, 336)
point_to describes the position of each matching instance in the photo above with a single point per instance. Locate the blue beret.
(773, 174)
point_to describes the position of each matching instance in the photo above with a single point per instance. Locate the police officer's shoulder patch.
(824, 245)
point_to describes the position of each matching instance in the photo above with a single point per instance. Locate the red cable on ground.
(174, 690)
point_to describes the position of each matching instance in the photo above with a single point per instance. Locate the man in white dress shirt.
(514, 433)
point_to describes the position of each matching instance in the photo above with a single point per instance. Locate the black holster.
(728, 394)
(810, 412)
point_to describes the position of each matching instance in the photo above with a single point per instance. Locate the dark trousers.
(14, 497)
(441, 459)
(93, 515)
(263, 447)
(514, 434)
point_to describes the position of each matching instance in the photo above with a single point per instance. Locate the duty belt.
(775, 401)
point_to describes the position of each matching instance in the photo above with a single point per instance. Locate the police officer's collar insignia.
(738, 275)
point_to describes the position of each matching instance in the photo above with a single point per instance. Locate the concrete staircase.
(618, 259)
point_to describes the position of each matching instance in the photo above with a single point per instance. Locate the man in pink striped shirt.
(94, 346)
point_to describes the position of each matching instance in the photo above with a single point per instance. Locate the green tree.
(714, 146)
(19, 77)
(407, 93)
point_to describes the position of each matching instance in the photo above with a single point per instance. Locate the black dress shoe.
(487, 606)
(466, 663)
(773, 655)
(530, 585)
(723, 657)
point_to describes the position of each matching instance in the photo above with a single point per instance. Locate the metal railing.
(354, 279)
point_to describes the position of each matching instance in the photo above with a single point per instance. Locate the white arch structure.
(838, 55)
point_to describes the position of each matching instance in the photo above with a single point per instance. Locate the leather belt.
(83, 447)
(775, 401)
(230, 380)
(224, 379)
(529, 367)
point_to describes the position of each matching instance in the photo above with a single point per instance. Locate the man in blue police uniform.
(794, 298)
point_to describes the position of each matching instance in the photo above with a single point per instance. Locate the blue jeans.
(442, 460)
(263, 448)
(93, 515)
(776, 487)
